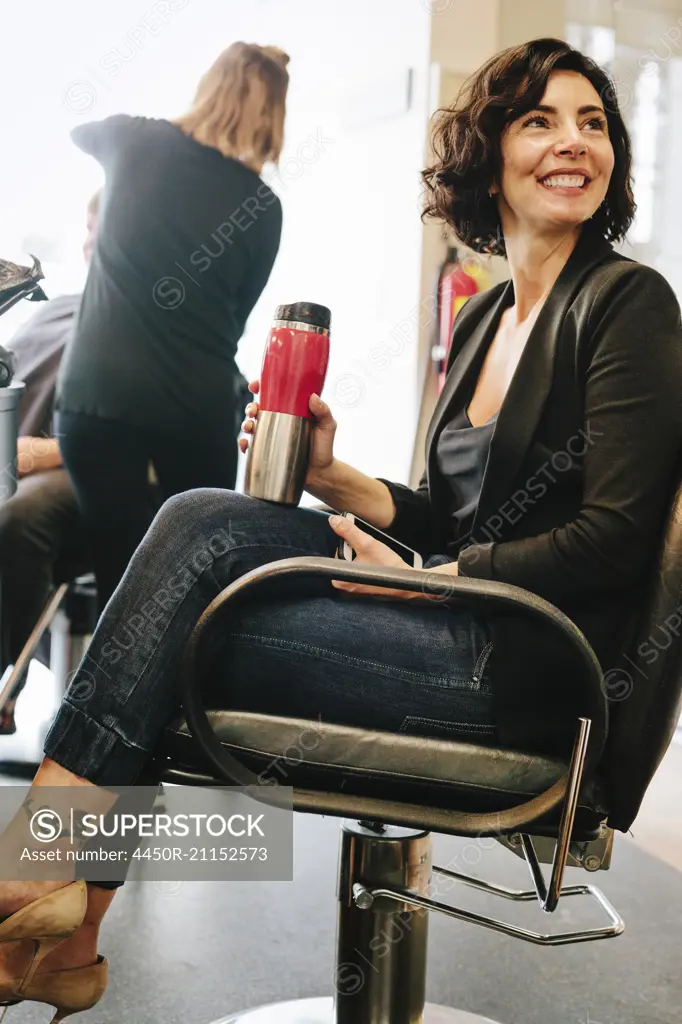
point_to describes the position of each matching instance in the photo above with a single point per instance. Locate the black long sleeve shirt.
(186, 242)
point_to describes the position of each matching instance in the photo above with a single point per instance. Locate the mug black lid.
(306, 313)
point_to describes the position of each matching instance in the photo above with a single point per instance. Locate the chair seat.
(414, 769)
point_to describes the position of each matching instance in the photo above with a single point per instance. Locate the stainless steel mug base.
(277, 461)
(321, 1011)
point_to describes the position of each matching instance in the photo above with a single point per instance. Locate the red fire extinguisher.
(457, 281)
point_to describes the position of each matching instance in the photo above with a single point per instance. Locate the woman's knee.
(204, 506)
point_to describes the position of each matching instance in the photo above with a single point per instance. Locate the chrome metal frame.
(591, 854)
(547, 895)
(539, 938)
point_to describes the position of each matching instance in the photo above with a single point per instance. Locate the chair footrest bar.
(364, 898)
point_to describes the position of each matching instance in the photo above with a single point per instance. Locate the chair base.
(321, 1011)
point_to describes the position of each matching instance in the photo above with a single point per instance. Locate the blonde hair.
(240, 102)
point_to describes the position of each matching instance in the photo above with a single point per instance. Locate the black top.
(185, 244)
(39, 346)
(462, 454)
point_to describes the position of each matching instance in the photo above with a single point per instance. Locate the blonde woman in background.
(187, 238)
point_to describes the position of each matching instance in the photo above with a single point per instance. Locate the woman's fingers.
(322, 413)
(357, 538)
(250, 421)
(318, 408)
(254, 387)
(243, 445)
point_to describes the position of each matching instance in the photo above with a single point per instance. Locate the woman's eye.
(537, 119)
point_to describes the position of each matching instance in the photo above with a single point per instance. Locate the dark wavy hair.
(467, 142)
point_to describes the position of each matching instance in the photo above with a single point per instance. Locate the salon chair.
(393, 790)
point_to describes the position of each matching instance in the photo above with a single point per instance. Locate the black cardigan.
(579, 476)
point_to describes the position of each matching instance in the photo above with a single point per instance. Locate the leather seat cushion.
(384, 765)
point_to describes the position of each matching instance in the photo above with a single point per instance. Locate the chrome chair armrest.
(489, 595)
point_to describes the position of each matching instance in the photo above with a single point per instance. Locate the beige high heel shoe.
(46, 922)
(70, 990)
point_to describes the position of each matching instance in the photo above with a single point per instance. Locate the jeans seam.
(482, 661)
(107, 728)
(335, 656)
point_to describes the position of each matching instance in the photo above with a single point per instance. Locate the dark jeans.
(315, 653)
(40, 529)
(108, 462)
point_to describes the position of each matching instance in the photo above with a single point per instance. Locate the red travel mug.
(294, 368)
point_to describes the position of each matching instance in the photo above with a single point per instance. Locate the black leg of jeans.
(108, 463)
(193, 461)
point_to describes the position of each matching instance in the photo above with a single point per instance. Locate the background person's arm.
(36, 454)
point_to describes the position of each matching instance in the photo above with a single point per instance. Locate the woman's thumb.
(320, 409)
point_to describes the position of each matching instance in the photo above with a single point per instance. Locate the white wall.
(352, 235)
(349, 178)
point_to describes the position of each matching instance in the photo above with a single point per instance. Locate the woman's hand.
(370, 551)
(321, 437)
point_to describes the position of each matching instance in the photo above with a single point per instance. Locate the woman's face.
(556, 160)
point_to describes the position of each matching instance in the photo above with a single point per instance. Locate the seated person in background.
(40, 522)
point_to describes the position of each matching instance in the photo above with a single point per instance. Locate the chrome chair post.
(380, 972)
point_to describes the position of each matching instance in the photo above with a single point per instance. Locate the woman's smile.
(572, 184)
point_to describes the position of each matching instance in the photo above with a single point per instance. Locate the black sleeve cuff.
(404, 502)
(477, 561)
